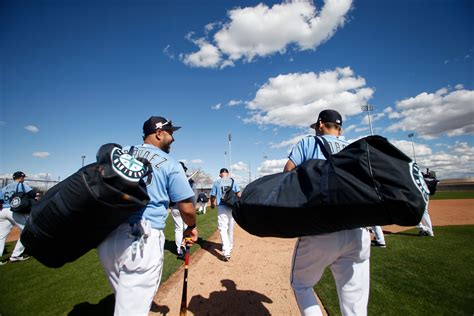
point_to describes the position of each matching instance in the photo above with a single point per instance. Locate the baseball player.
(8, 218)
(132, 255)
(225, 221)
(179, 225)
(202, 200)
(347, 252)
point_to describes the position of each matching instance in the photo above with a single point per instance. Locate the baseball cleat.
(425, 233)
(20, 258)
(375, 243)
(225, 258)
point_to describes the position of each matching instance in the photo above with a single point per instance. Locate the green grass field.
(446, 195)
(78, 288)
(417, 275)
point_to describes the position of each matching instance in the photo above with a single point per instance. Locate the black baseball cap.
(155, 123)
(224, 170)
(18, 175)
(328, 116)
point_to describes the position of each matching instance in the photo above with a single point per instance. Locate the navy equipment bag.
(78, 213)
(370, 182)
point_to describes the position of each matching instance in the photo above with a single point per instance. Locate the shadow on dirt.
(230, 301)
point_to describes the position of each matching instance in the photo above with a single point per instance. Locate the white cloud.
(271, 166)
(431, 114)
(261, 31)
(41, 154)
(31, 128)
(289, 143)
(207, 56)
(235, 102)
(240, 167)
(216, 107)
(295, 99)
(197, 161)
(458, 163)
(459, 87)
(167, 52)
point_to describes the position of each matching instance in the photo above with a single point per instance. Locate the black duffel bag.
(75, 215)
(21, 201)
(370, 182)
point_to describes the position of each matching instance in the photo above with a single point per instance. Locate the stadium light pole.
(367, 108)
(411, 135)
(230, 153)
(83, 157)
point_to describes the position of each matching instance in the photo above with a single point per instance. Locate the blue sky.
(78, 74)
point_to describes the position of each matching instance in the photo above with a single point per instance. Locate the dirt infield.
(256, 280)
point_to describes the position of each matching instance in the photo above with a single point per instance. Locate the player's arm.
(213, 201)
(290, 165)
(188, 214)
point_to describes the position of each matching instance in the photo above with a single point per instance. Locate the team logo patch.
(15, 202)
(418, 179)
(127, 166)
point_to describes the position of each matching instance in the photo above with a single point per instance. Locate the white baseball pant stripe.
(225, 223)
(133, 275)
(7, 220)
(347, 252)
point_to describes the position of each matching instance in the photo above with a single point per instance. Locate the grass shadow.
(104, 307)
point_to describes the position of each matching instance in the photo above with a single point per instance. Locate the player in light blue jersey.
(8, 219)
(347, 252)
(225, 220)
(132, 255)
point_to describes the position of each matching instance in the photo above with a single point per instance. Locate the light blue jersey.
(307, 148)
(10, 189)
(167, 183)
(219, 187)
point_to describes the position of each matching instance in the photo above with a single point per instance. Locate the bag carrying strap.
(22, 187)
(324, 146)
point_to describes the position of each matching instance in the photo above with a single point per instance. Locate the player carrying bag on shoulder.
(369, 182)
(78, 213)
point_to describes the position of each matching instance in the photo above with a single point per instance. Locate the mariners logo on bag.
(15, 202)
(127, 166)
(418, 179)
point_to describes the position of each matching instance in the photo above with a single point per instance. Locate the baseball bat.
(184, 295)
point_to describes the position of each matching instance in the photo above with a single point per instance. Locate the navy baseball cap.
(18, 175)
(224, 170)
(328, 116)
(155, 123)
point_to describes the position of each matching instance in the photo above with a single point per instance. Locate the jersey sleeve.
(178, 185)
(297, 154)
(214, 189)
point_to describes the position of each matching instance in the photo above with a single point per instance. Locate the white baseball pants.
(179, 228)
(7, 220)
(202, 207)
(225, 223)
(347, 252)
(133, 268)
(425, 223)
